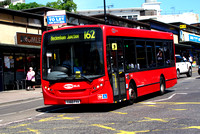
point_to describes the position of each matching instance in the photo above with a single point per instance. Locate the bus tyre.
(162, 86)
(178, 74)
(132, 94)
(189, 74)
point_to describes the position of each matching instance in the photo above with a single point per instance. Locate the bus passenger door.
(117, 69)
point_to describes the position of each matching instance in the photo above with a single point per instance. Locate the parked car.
(199, 70)
(183, 67)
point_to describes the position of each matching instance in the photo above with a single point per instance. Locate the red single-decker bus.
(98, 64)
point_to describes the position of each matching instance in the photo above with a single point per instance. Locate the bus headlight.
(49, 89)
(99, 86)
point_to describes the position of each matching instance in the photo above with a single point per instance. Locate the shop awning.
(183, 45)
(18, 48)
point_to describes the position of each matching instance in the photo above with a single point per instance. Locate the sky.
(167, 6)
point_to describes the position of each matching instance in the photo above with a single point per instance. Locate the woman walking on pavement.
(30, 78)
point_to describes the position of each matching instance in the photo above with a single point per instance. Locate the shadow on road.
(151, 96)
(83, 108)
(197, 77)
(92, 108)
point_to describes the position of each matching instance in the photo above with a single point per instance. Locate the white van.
(183, 67)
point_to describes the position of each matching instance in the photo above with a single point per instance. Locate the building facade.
(149, 10)
(14, 2)
(20, 39)
(189, 35)
(191, 18)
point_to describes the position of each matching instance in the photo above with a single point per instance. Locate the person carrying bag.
(30, 78)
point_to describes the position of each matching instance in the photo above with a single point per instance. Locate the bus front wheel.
(132, 94)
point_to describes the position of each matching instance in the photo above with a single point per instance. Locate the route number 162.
(90, 34)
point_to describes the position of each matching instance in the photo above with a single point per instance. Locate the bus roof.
(124, 32)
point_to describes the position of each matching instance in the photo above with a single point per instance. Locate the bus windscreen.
(73, 55)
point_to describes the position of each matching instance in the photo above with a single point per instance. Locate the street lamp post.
(105, 17)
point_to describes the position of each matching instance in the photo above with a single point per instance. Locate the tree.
(21, 6)
(67, 5)
(5, 3)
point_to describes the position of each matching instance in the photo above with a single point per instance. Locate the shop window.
(83, 22)
(135, 17)
(121, 23)
(73, 20)
(20, 62)
(124, 17)
(8, 63)
(130, 17)
(115, 22)
(16, 66)
(110, 21)
(8, 71)
(31, 62)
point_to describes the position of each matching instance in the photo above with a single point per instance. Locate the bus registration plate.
(72, 101)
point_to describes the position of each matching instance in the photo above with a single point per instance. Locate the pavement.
(13, 96)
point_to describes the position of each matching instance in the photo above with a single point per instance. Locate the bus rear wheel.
(162, 86)
(132, 94)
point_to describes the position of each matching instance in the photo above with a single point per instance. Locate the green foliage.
(21, 6)
(67, 5)
(4, 3)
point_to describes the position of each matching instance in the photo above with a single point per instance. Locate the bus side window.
(151, 54)
(171, 48)
(167, 53)
(159, 54)
(141, 55)
(130, 56)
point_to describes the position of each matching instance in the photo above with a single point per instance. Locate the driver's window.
(53, 59)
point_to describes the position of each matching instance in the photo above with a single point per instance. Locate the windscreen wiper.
(90, 80)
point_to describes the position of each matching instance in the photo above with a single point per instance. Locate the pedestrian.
(190, 59)
(184, 58)
(30, 78)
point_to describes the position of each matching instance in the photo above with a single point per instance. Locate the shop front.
(183, 49)
(192, 40)
(15, 61)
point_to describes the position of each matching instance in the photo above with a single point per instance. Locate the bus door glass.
(116, 56)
